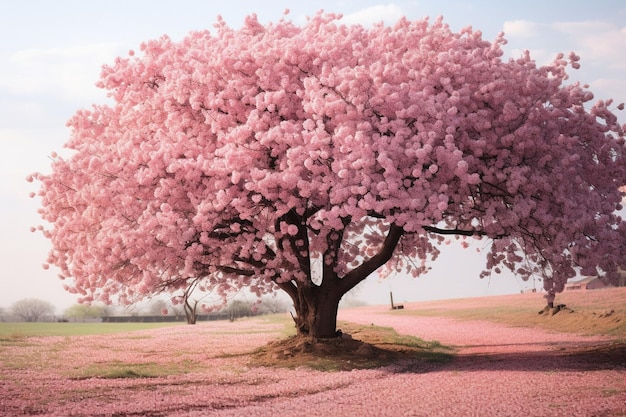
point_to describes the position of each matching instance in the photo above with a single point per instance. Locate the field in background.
(588, 312)
(20, 329)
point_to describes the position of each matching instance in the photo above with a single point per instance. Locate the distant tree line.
(33, 310)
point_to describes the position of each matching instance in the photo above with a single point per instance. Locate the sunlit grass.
(284, 319)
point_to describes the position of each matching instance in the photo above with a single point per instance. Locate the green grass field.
(17, 330)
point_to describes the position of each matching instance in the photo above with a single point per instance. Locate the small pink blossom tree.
(304, 158)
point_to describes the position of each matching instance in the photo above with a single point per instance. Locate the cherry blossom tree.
(304, 158)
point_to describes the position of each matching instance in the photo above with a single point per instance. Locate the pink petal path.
(499, 371)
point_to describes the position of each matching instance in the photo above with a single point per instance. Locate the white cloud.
(600, 44)
(388, 14)
(69, 72)
(582, 27)
(521, 28)
(602, 47)
(607, 46)
(614, 88)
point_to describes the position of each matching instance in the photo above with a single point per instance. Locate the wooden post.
(393, 306)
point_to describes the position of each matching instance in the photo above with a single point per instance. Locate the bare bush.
(32, 309)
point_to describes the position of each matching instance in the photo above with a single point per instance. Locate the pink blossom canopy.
(244, 156)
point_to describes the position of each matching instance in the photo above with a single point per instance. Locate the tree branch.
(235, 270)
(290, 288)
(361, 272)
(458, 232)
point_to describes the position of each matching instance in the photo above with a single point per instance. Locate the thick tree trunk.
(324, 320)
(316, 312)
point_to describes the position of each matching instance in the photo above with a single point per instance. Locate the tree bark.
(324, 318)
(316, 312)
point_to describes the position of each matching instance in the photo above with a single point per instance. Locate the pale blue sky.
(50, 58)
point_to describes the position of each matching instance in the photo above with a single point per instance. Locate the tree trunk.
(324, 323)
(190, 311)
(316, 312)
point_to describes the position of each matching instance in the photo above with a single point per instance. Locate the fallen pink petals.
(203, 370)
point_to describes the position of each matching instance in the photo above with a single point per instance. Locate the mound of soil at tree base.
(346, 353)
(339, 352)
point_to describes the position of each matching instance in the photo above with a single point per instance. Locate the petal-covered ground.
(203, 370)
